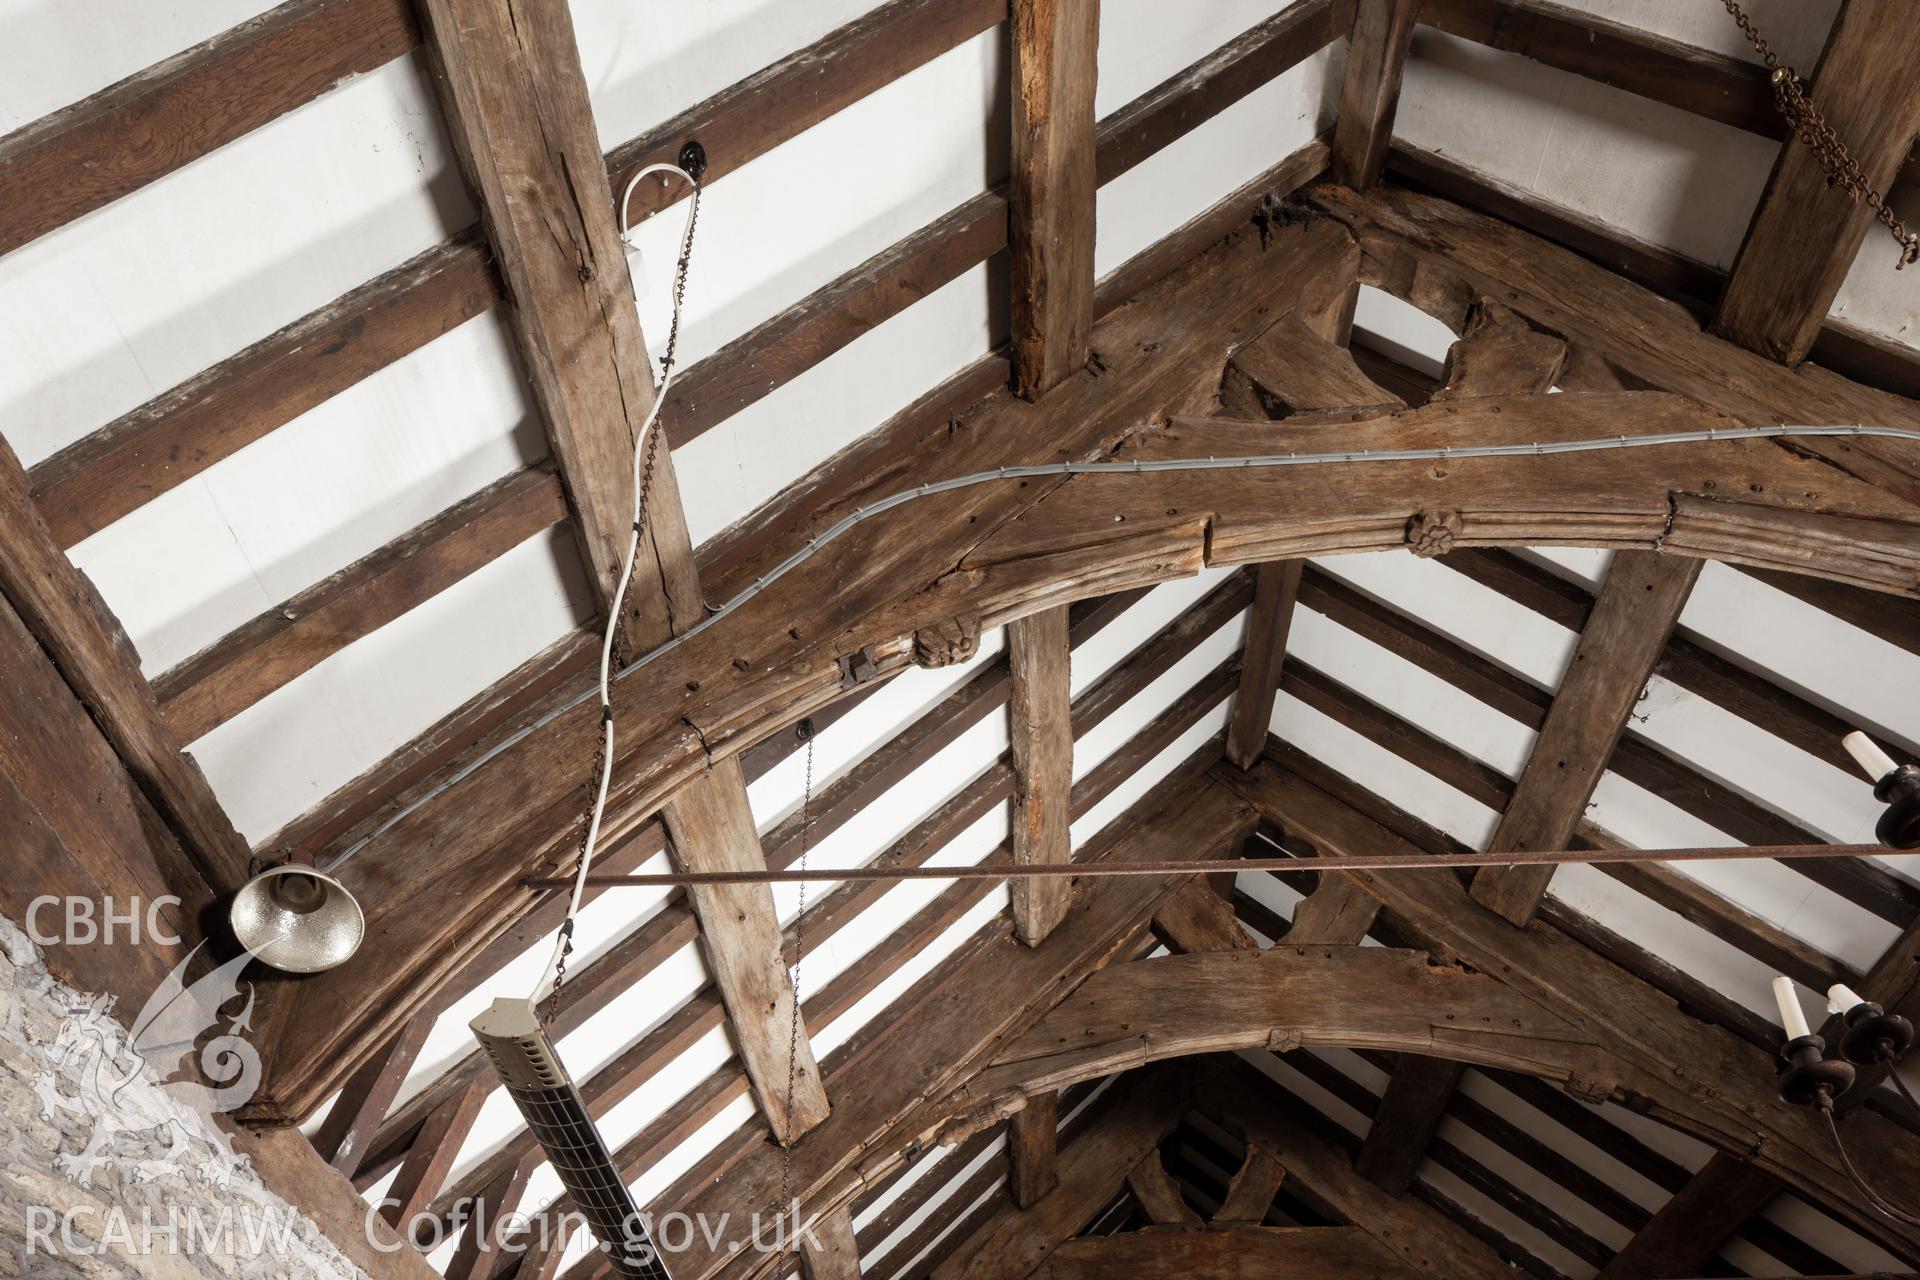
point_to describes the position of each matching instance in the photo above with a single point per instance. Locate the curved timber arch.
(918, 584)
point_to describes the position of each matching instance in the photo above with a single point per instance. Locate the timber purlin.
(604, 977)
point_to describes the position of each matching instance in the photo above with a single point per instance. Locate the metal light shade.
(297, 920)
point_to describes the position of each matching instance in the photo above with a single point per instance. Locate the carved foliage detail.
(945, 643)
(1431, 533)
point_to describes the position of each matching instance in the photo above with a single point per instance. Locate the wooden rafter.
(1640, 1024)
(1691, 1227)
(614, 971)
(937, 1043)
(1014, 1242)
(156, 121)
(1370, 90)
(1228, 1253)
(66, 616)
(1806, 233)
(1321, 1173)
(1051, 196)
(1416, 239)
(1636, 612)
(1300, 364)
(1033, 1149)
(1041, 719)
(701, 714)
(516, 100)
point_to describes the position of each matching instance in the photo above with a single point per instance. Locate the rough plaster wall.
(162, 1162)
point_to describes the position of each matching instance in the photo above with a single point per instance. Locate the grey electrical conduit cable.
(1242, 462)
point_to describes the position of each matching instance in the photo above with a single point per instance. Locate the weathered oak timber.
(1804, 236)
(1790, 510)
(1425, 1239)
(1296, 365)
(1631, 621)
(1228, 1253)
(1000, 989)
(68, 618)
(1032, 1149)
(711, 828)
(1050, 204)
(1197, 920)
(837, 1255)
(616, 969)
(1688, 1231)
(1041, 724)
(1336, 913)
(516, 105)
(1412, 238)
(1283, 999)
(1158, 1194)
(180, 433)
(1410, 1112)
(80, 827)
(155, 121)
(1016, 1241)
(1499, 354)
(427, 1165)
(1253, 1188)
(1700, 1078)
(747, 676)
(294, 636)
(1370, 92)
(343, 1138)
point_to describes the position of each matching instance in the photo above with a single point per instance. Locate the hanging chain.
(1806, 120)
(805, 730)
(642, 509)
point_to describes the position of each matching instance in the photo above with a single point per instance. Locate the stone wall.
(109, 1169)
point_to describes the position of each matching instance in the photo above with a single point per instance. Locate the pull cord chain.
(805, 730)
(646, 456)
(1807, 121)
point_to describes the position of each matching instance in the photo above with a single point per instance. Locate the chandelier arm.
(1865, 1188)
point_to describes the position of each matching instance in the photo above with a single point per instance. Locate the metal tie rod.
(1207, 866)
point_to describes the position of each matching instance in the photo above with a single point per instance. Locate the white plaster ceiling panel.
(1656, 172)
(1874, 684)
(308, 499)
(646, 63)
(753, 455)
(1143, 42)
(128, 301)
(1695, 952)
(1380, 770)
(1797, 29)
(840, 746)
(1143, 779)
(820, 204)
(1542, 1187)
(289, 751)
(56, 52)
(1488, 110)
(1197, 664)
(205, 590)
(1876, 296)
(1410, 692)
(1188, 177)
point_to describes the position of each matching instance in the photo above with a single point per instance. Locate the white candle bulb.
(1876, 763)
(1841, 997)
(1792, 1017)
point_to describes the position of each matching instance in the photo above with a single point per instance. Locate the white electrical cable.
(599, 810)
